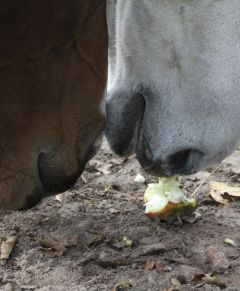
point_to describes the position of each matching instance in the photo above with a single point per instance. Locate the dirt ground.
(105, 206)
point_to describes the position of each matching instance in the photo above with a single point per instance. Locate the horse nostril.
(184, 160)
(179, 159)
(53, 176)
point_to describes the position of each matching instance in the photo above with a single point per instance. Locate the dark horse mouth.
(182, 162)
(52, 178)
(32, 200)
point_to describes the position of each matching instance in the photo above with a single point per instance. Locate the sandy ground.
(105, 206)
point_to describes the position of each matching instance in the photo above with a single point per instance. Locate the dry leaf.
(124, 286)
(175, 282)
(62, 197)
(175, 288)
(105, 169)
(149, 250)
(119, 161)
(84, 179)
(197, 279)
(210, 279)
(150, 264)
(52, 248)
(94, 239)
(217, 258)
(28, 287)
(219, 281)
(222, 193)
(9, 287)
(161, 267)
(101, 167)
(108, 262)
(7, 244)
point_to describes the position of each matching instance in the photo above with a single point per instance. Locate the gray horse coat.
(174, 82)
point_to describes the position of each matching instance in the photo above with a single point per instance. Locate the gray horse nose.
(183, 162)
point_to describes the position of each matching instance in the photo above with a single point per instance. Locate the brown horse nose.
(53, 176)
(59, 171)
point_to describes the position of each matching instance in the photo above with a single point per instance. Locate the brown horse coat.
(53, 70)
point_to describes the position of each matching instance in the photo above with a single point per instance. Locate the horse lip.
(32, 200)
(166, 172)
(169, 166)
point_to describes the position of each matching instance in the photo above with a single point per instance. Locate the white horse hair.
(174, 82)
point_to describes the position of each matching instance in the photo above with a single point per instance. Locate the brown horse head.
(53, 63)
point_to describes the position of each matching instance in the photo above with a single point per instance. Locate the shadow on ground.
(105, 206)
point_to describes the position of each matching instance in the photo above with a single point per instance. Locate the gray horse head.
(174, 82)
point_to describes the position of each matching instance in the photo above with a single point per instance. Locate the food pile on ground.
(166, 201)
